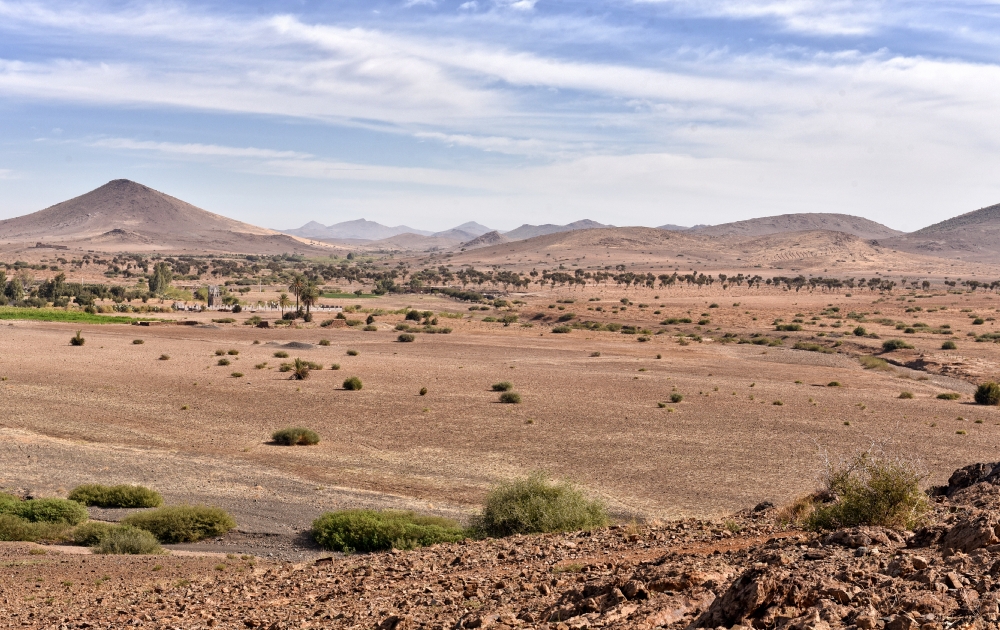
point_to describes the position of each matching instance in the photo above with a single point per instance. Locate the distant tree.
(309, 295)
(297, 285)
(283, 302)
(14, 290)
(160, 279)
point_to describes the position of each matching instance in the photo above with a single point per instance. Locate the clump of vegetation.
(906, 395)
(183, 523)
(300, 368)
(324, 342)
(949, 345)
(895, 344)
(871, 488)
(164, 357)
(949, 396)
(220, 352)
(120, 496)
(232, 352)
(873, 363)
(987, 394)
(562, 329)
(61, 511)
(536, 505)
(77, 340)
(833, 384)
(423, 391)
(137, 342)
(237, 374)
(352, 353)
(335, 366)
(352, 384)
(14, 528)
(510, 398)
(371, 530)
(126, 539)
(860, 331)
(405, 338)
(295, 436)
(595, 354)
(280, 354)
(788, 327)
(223, 362)
(676, 397)
(90, 533)
(811, 347)
(503, 386)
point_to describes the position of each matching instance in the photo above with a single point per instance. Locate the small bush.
(561, 329)
(223, 362)
(232, 352)
(370, 328)
(164, 357)
(352, 353)
(423, 391)
(676, 398)
(833, 384)
(873, 363)
(871, 488)
(280, 354)
(510, 398)
(295, 436)
(90, 533)
(895, 344)
(860, 331)
(183, 523)
(324, 342)
(949, 396)
(77, 340)
(949, 345)
(220, 352)
(370, 530)
(121, 496)
(335, 366)
(988, 394)
(237, 375)
(125, 539)
(906, 395)
(503, 386)
(299, 369)
(353, 384)
(61, 511)
(788, 327)
(536, 505)
(137, 342)
(595, 354)
(14, 528)
(405, 338)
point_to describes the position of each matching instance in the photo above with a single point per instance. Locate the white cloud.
(193, 149)
(472, 5)
(415, 3)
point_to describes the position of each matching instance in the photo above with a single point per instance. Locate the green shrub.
(788, 327)
(90, 533)
(423, 391)
(223, 361)
(535, 505)
(281, 354)
(335, 366)
(370, 530)
(503, 386)
(233, 352)
(164, 357)
(324, 342)
(353, 383)
(676, 398)
(121, 496)
(183, 523)
(873, 363)
(44, 510)
(137, 342)
(370, 328)
(352, 353)
(561, 329)
(871, 489)
(895, 344)
(949, 396)
(988, 394)
(220, 352)
(293, 436)
(405, 338)
(860, 331)
(237, 375)
(77, 340)
(949, 345)
(14, 528)
(125, 539)
(906, 395)
(510, 398)
(811, 347)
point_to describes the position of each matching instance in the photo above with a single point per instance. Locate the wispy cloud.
(193, 149)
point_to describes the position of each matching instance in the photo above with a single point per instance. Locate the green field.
(347, 296)
(59, 315)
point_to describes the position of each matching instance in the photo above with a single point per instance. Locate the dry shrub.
(352, 384)
(293, 436)
(873, 363)
(125, 539)
(535, 505)
(121, 496)
(370, 530)
(988, 394)
(183, 523)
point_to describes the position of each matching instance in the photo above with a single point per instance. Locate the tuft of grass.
(232, 352)
(895, 344)
(906, 395)
(120, 496)
(223, 362)
(220, 352)
(77, 340)
(423, 391)
(261, 366)
(352, 353)
(510, 398)
(335, 366)
(676, 397)
(126, 539)
(324, 342)
(833, 384)
(295, 436)
(988, 394)
(960, 432)
(949, 345)
(183, 523)
(237, 374)
(406, 338)
(352, 383)
(778, 403)
(280, 354)
(595, 354)
(164, 357)
(371, 530)
(871, 488)
(137, 342)
(949, 396)
(503, 386)
(869, 362)
(535, 505)
(661, 405)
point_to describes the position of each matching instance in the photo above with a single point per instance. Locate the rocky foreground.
(745, 572)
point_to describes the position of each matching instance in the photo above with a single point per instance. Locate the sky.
(430, 113)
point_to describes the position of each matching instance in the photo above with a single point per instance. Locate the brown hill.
(490, 238)
(126, 214)
(801, 222)
(971, 236)
(412, 242)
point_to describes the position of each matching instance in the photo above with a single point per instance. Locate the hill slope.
(531, 231)
(361, 229)
(800, 222)
(971, 236)
(123, 214)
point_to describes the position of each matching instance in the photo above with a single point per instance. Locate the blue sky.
(435, 112)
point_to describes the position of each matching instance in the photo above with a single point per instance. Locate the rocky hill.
(531, 231)
(800, 222)
(970, 236)
(490, 238)
(358, 229)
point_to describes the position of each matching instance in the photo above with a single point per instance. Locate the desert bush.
(335, 366)
(595, 354)
(261, 366)
(510, 398)
(988, 394)
(894, 344)
(676, 398)
(561, 329)
(137, 342)
(906, 395)
(183, 523)
(423, 391)
(220, 352)
(860, 331)
(503, 386)
(949, 396)
(370, 530)
(871, 488)
(280, 354)
(232, 352)
(299, 369)
(873, 363)
(295, 436)
(126, 539)
(14, 528)
(164, 357)
(949, 345)
(353, 383)
(223, 362)
(121, 496)
(413, 316)
(352, 353)
(405, 338)
(77, 340)
(788, 327)
(534, 505)
(811, 347)
(60, 511)
(370, 328)
(90, 533)
(324, 342)
(237, 374)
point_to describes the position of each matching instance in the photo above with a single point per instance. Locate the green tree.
(296, 287)
(161, 278)
(309, 295)
(14, 290)
(283, 302)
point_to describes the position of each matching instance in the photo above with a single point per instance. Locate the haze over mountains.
(126, 216)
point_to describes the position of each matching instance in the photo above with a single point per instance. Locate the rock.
(752, 592)
(970, 475)
(972, 533)
(634, 589)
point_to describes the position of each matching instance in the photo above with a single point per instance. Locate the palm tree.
(310, 295)
(296, 287)
(283, 302)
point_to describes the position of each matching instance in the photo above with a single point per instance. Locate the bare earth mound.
(971, 236)
(801, 222)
